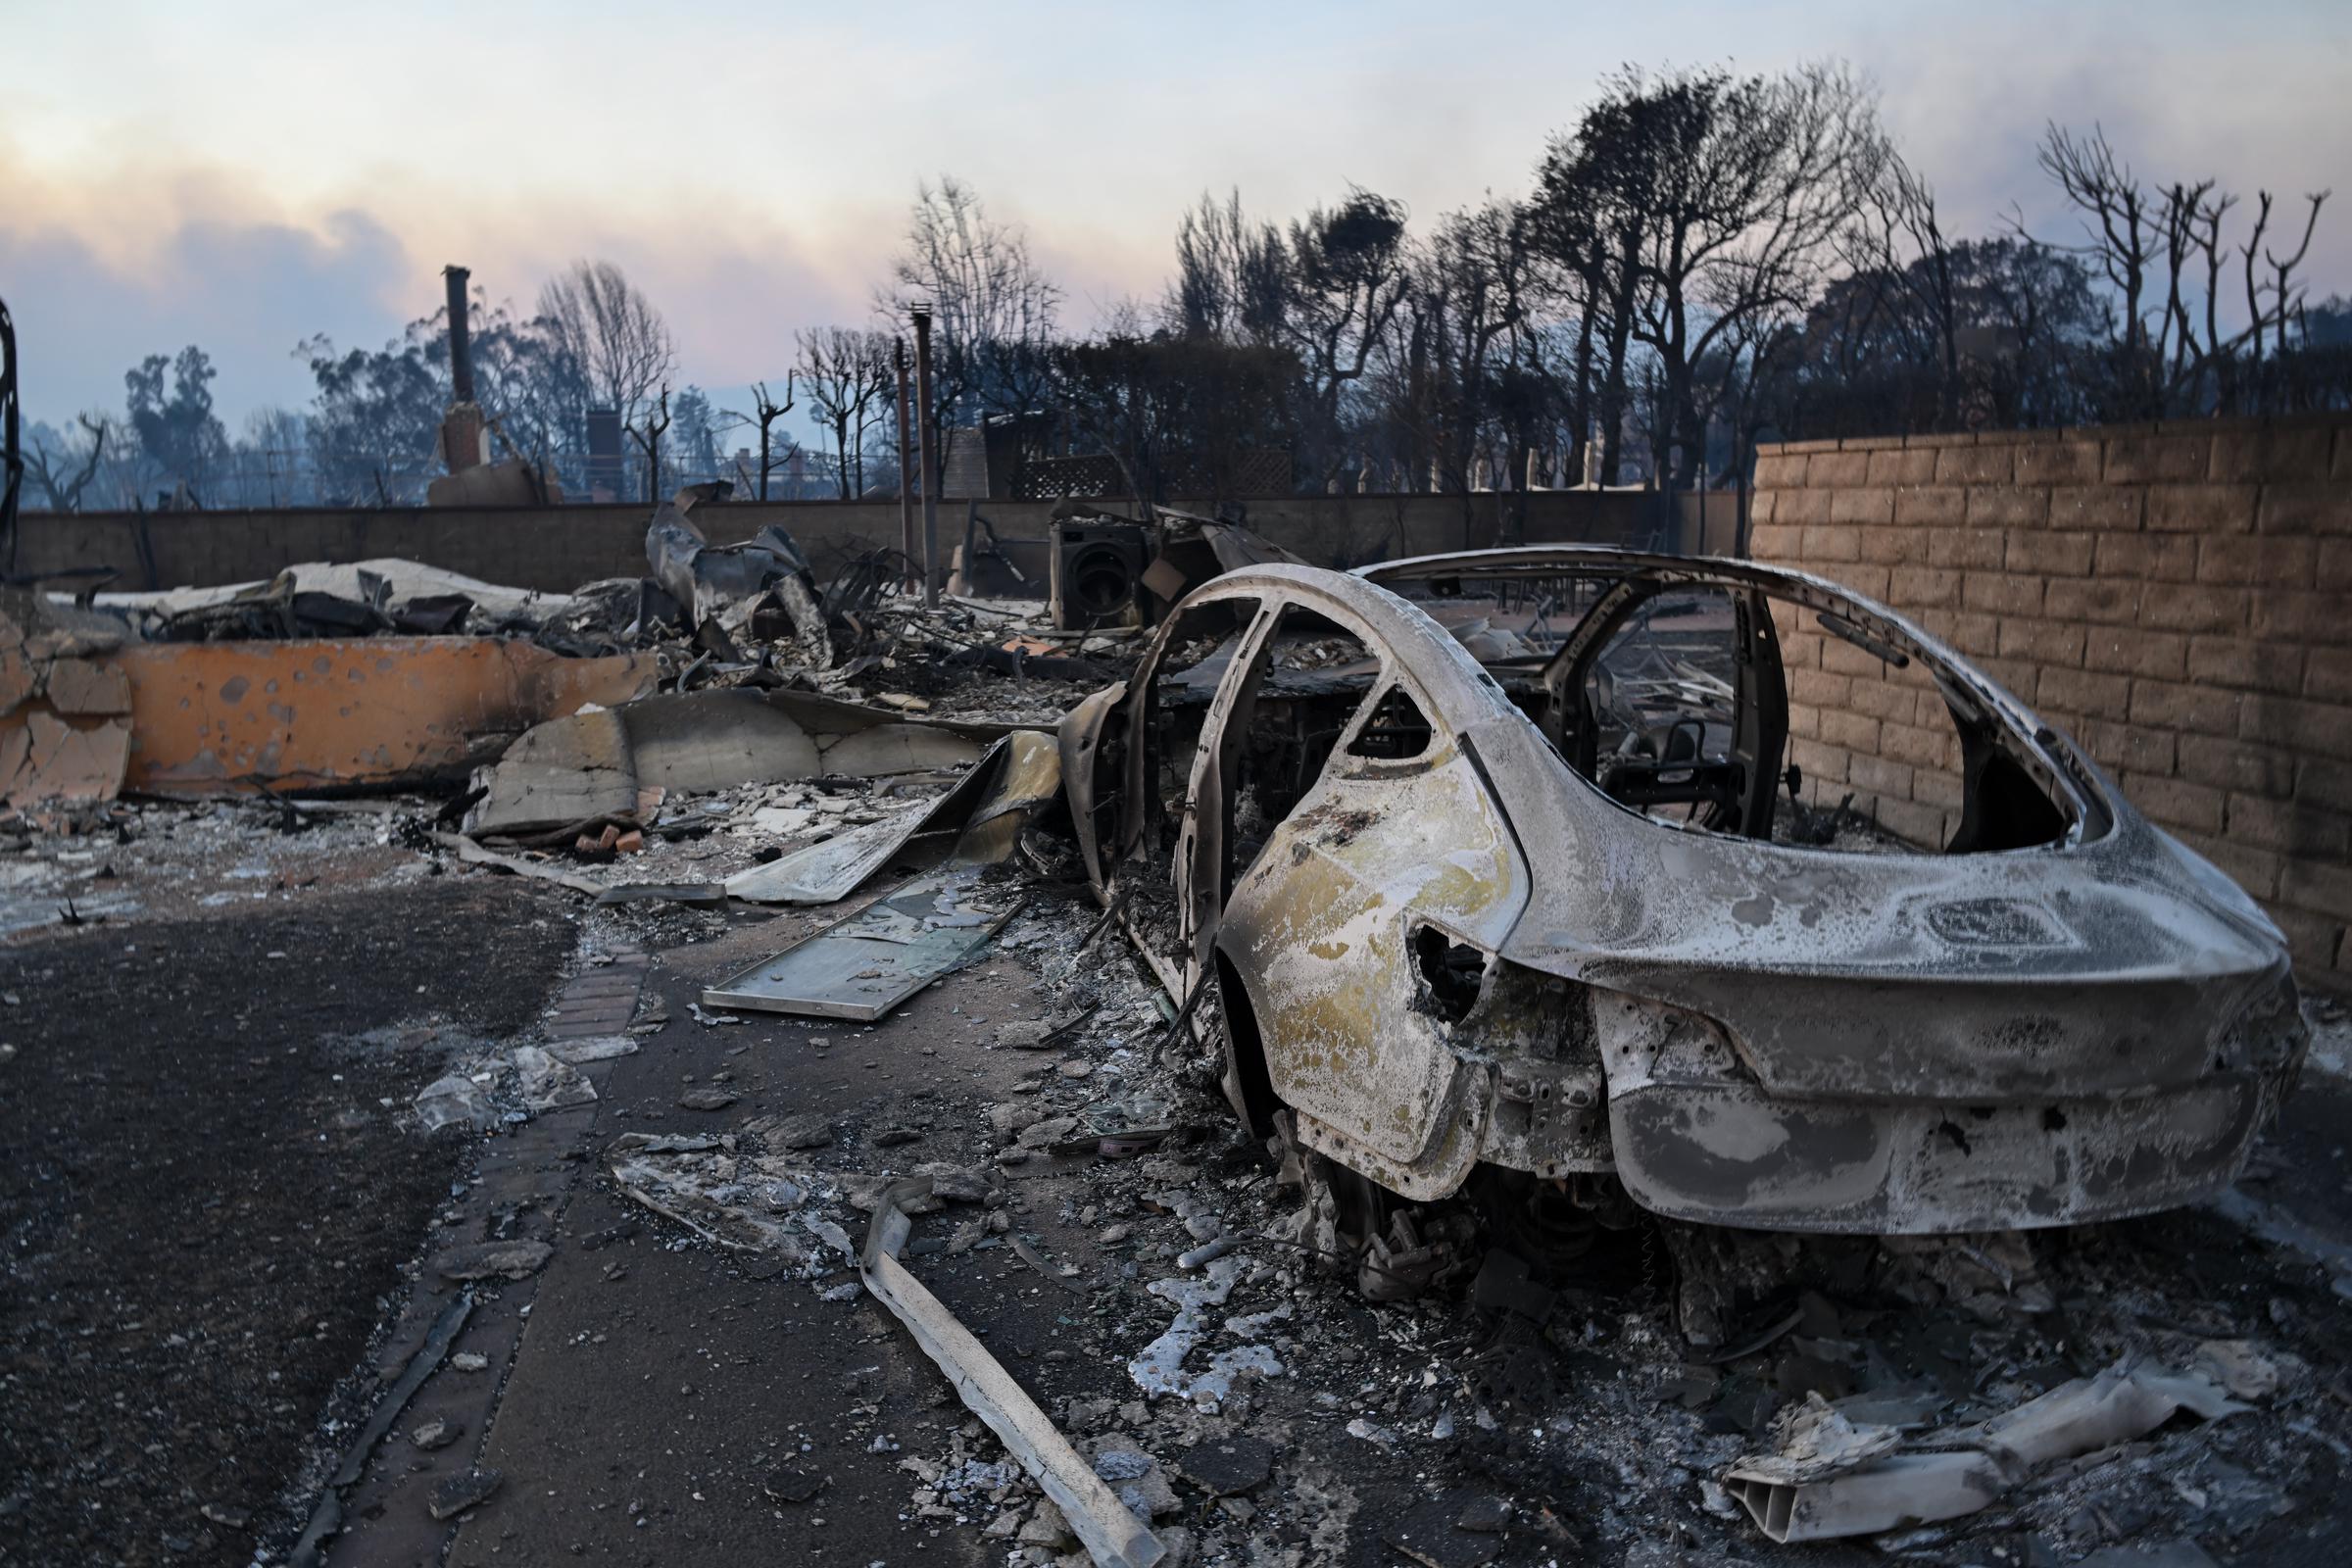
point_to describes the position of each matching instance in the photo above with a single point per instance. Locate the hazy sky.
(245, 174)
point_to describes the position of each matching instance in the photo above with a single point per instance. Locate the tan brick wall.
(2178, 597)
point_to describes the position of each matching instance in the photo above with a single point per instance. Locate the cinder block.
(2271, 560)
(2292, 827)
(2272, 452)
(1882, 700)
(2316, 887)
(1930, 505)
(2282, 614)
(2050, 554)
(2097, 509)
(1903, 546)
(1781, 471)
(1800, 649)
(2104, 601)
(1802, 507)
(1979, 465)
(2327, 677)
(1766, 542)
(2148, 557)
(1861, 577)
(2131, 748)
(1888, 781)
(1837, 471)
(2007, 506)
(2083, 691)
(1924, 825)
(2001, 593)
(1857, 732)
(2201, 508)
(2232, 765)
(2176, 803)
(2321, 783)
(1818, 688)
(1944, 791)
(2017, 676)
(2194, 607)
(2243, 665)
(2307, 508)
(1829, 543)
(1871, 508)
(2334, 569)
(1921, 748)
(2045, 642)
(1969, 549)
(1901, 466)
(2319, 729)
(2314, 942)
(2157, 459)
(1975, 633)
(1912, 588)
(2163, 655)
(2178, 706)
(1823, 765)
(2061, 461)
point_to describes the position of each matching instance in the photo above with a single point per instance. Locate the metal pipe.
(12, 457)
(898, 361)
(461, 338)
(927, 437)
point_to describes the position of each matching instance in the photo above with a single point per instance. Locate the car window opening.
(1723, 708)
(1314, 677)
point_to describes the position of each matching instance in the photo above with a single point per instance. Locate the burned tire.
(1246, 1082)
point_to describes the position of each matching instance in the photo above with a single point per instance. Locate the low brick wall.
(2175, 596)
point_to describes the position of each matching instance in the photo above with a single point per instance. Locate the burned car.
(1501, 860)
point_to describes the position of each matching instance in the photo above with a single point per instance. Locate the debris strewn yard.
(772, 1089)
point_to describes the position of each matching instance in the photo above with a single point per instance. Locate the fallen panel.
(863, 965)
(401, 580)
(214, 717)
(1112, 1536)
(1832, 1479)
(985, 810)
(593, 764)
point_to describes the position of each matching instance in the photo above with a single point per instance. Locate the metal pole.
(898, 361)
(461, 337)
(926, 435)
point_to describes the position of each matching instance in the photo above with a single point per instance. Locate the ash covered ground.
(228, 1227)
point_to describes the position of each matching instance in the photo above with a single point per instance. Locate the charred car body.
(1499, 859)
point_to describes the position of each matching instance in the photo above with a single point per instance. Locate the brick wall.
(2178, 597)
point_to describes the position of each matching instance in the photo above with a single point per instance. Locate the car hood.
(2096, 968)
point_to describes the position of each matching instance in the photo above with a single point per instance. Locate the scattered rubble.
(1209, 1345)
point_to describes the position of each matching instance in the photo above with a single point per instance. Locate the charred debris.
(736, 732)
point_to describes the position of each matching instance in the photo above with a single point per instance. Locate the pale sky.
(243, 174)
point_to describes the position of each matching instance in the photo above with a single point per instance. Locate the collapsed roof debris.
(725, 586)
